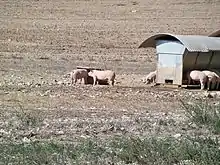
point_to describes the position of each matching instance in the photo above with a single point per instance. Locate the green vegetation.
(125, 150)
(122, 150)
(205, 114)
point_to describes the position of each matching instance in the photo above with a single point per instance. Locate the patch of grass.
(20, 122)
(155, 151)
(27, 118)
(203, 113)
(86, 152)
(170, 151)
(33, 153)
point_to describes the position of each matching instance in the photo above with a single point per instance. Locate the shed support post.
(210, 60)
(196, 60)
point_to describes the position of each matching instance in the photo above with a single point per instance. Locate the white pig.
(104, 75)
(212, 78)
(197, 75)
(151, 77)
(79, 74)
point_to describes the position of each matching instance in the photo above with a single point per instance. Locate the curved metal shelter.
(178, 54)
(215, 34)
(193, 43)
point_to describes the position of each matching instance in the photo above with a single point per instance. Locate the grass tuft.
(151, 151)
(203, 113)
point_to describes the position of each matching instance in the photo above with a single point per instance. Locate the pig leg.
(94, 80)
(111, 82)
(85, 80)
(80, 80)
(154, 80)
(73, 82)
(202, 84)
(208, 84)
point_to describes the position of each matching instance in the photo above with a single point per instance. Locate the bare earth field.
(42, 40)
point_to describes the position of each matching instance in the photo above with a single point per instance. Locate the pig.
(79, 74)
(103, 75)
(197, 75)
(151, 77)
(212, 78)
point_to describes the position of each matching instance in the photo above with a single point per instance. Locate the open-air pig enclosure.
(177, 55)
(43, 40)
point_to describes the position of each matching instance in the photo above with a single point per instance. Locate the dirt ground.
(42, 40)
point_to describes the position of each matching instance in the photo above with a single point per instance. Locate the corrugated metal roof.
(193, 43)
(215, 34)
